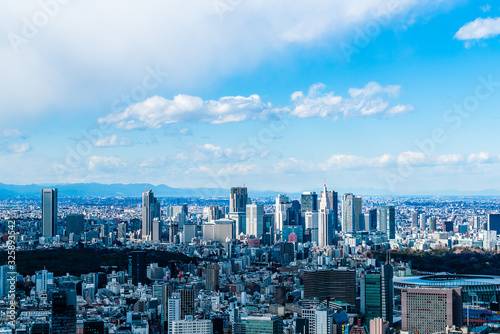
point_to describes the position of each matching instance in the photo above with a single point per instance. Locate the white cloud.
(356, 162)
(450, 159)
(12, 133)
(113, 140)
(191, 40)
(367, 101)
(482, 158)
(486, 8)
(157, 111)
(479, 29)
(99, 163)
(19, 147)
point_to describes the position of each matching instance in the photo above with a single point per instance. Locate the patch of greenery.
(79, 261)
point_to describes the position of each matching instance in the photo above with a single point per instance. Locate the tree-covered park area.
(79, 261)
(458, 260)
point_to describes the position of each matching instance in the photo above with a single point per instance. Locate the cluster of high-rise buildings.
(286, 265)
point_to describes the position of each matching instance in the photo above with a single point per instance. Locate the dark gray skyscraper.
(49, 212)
(150, 211)
(494, 222)
(75, 223)
(238, 199)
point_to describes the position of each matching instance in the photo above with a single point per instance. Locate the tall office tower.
(476, 223)
(212, 277)
(386, 220)
(430, 310)
(268, 234)
(137, 267)
(40, 327)
(309, 208)
(309, 201)
(311, 226)
(493, 222)
(280, 214)
(432, 224)
(264, 323)
(150, 211)
(414, 219)
(489, 240)
(324, 321)
(238, 199)
(377, 294)
(174, 310)
(255, 220)
(372, 219)
(378, 326)
(64, 308)
(191, 326)
(324, 284)
(44, 279)
(351, 211)
(326, 218)
(422, 220)
(8, 276)
(447, 226)
(214, 213)
(122, 230)
(75, 223)
(187, 299)
(49, 212)
(156, 232)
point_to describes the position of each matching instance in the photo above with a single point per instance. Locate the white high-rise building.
(351, 212)
(255, 220)
(281, 214)
(190, 326)
(311, 222)
(174, 310)
(43, 279)
(325, 222)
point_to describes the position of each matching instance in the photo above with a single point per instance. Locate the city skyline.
(402, 111)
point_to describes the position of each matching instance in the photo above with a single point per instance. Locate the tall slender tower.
(49, 212)
(351, 211)
(326, 220)
(238, 200)
(150, 211)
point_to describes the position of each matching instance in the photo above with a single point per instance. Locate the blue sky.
(272, 94)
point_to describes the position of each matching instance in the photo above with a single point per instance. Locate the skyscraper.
(494, 222)
(174, 310)
(75, 223)
(377, 294)
(137, 267)
(386, 220)
(280, 214)
(255, 220)
(49, 212)
(150, 211)
(64, 308)
(351, 211)
(238, 200)
(326, 217)
(212, 277)
(430, 310)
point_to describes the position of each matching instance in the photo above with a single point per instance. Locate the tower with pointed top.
(327, 217)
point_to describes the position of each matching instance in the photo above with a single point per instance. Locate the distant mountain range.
(136, 189)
